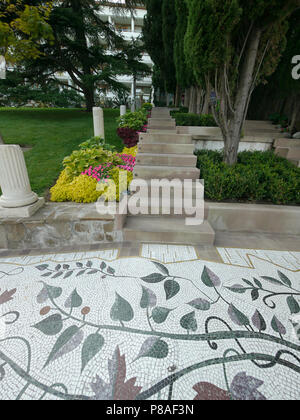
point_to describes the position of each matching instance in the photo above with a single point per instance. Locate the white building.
(129, 25)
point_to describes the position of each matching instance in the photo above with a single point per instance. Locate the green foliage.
(183, 72)
(134, 120)
(257, 177)
(169, 19)
(96, 143)
(195, 120)
(80, 160)
(23, 27)
(53, 134)
(16, 92)
(147, 106)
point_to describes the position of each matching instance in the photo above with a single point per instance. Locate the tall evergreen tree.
(231, 45)
(169, 19)
(88, 49)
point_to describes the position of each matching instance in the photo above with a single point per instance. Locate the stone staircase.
(164, 154)
(289, 149)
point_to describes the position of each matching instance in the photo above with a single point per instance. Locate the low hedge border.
(193, 120)
(258, 177)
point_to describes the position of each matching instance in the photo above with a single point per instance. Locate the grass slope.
(53, 134)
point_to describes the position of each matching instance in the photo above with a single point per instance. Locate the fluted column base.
(21, 212)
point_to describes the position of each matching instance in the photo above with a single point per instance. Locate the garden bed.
(258, 177)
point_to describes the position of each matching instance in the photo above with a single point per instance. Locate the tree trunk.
(177, 96)
(89, 99)
(233, 135)
(187, 97)
(199, 101)
(193, 101)
(295, 114)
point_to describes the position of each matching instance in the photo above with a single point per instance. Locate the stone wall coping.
(62, 212)
(246, 139)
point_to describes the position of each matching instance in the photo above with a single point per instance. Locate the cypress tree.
(231, 45)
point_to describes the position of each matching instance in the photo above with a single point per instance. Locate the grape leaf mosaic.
(139, 329)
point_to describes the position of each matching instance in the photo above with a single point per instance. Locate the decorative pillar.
(132, 24)
(98, 122)
(123, 110)
(14, 181)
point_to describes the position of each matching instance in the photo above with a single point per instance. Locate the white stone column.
(132, 24)
(98, 122)
(14, 180)
(123, 110)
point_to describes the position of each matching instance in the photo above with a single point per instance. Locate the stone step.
(168, 188)
(287, 143)
(173, 230)
(168, 172)
(166, 159)
(281, 151)
(176, 209)
(295, 162)
(159, 131)
(158, 126)
(293, 153)
(164, 148)
(169, 138)
(162, 121)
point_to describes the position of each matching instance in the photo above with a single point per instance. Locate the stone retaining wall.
(58, 225)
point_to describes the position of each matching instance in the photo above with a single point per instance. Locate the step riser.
(167, 189)
(157, 131)
(162, 121)
(186, 161)
(166, 172)
(170, 237)
(293, 154)
(287, 143)
(165, 138)
(181, 149)
(162, 128)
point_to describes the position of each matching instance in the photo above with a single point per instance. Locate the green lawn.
(53, 134)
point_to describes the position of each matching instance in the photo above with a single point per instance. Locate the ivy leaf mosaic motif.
(117, 388)
(188, 322)
(245, 388)
(7, 296)
(209, 278)
(200, 304)
(121, 310)
(259, 322)
(237, 288)
(154, 278)
(74, 300)
(293, 305)
(272, 280)
(237, 316)
(278, 326)
(285, 279)
(209, 392)
(160, 314)
(51, 325)
(49, 292)
(172, 288)
(162, 268)
(91, 347)
(154, 347)
(148, 299)
(68, 341)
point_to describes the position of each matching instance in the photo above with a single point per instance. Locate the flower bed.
(133, 123)
(93, 171)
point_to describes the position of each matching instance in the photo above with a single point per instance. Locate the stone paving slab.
(164, 324)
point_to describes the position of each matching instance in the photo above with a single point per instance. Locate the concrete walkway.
(168, 323)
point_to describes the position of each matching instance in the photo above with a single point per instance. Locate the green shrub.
(147, 106)
(80, 160)
(194, 120)
(257, 177)
(95, 143)
(134, 120)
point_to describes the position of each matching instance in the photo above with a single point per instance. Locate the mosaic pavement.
(164, 325)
